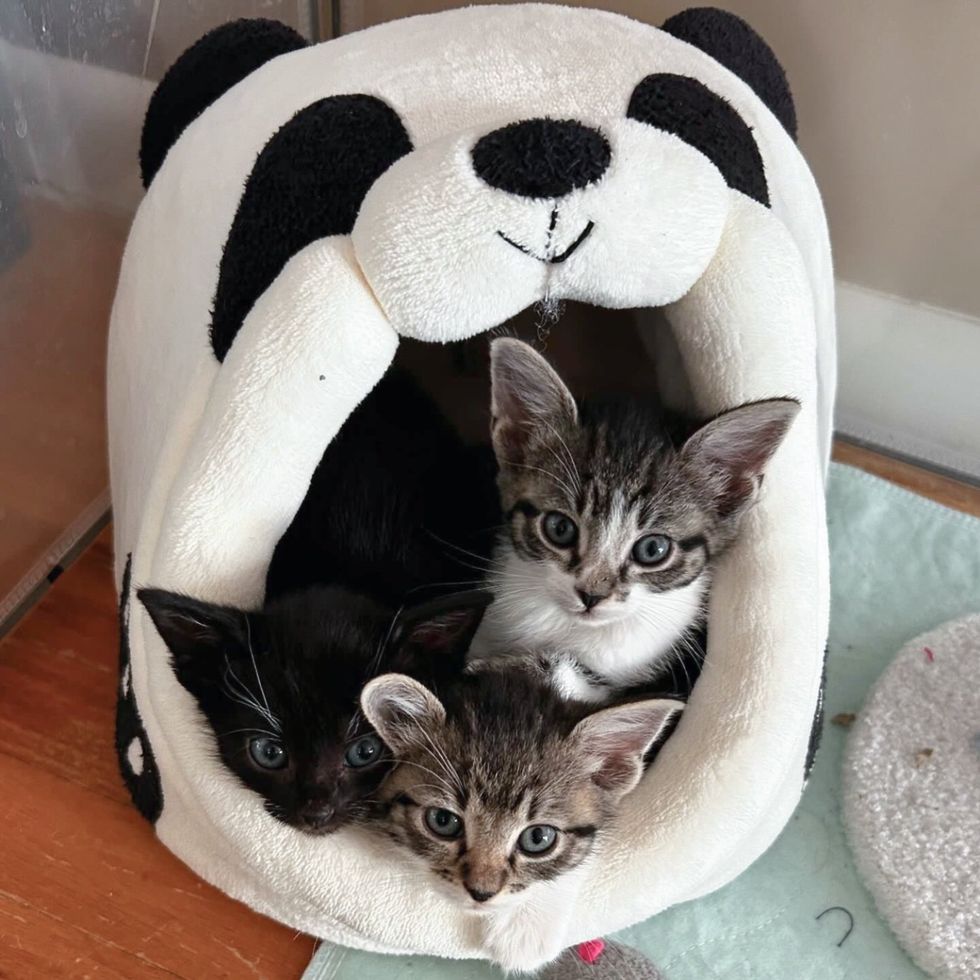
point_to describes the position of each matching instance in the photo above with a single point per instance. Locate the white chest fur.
(592, 656)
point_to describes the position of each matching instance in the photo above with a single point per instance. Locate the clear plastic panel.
(75, 78)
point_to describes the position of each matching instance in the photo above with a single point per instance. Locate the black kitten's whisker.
(255, 667)
(243, 696)
(482, 561)
(242, 731)
(376, 661)
(441, 585)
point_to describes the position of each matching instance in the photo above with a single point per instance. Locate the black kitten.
(385, 523)
(399, 507)
(280, 687)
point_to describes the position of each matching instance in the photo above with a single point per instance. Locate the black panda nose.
(541, 158)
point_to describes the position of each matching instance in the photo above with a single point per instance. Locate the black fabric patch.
(690, 110)
(308, 183)
(541, 158)
(201, 75)
(732, 43)
(816, 732)
(144, 787)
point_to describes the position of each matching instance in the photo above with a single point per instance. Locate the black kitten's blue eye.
(559, 529)
(267, 753)
(537, 839)
(443, 823)
(652, 549)
(364, 751)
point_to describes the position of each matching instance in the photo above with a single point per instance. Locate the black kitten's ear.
(527, 397)
(733, 450)
(444, 627)
(615, 741)
(401, 710)
(193, 629)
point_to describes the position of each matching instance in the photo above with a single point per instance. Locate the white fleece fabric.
(211, 461)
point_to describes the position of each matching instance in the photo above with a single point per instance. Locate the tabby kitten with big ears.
(502, 790)
(614, 526)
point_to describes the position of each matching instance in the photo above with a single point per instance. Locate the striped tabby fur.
(500, 753)
(622, 476)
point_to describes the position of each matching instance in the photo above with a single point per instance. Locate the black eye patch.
(308, 182)
(688, 109)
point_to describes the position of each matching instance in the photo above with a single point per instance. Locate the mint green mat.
(900, 565)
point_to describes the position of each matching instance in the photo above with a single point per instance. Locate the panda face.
(465, 232)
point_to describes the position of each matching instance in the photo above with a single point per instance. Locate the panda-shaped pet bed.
(430, 178)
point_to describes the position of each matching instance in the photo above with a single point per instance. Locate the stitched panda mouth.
(555, 259)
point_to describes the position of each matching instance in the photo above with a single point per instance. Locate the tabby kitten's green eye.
(267, 753)
(537, 839)
(653, 549)
(363, 752)
(443, 823)
(559, 529)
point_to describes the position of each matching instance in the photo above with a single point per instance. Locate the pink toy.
(591, 951)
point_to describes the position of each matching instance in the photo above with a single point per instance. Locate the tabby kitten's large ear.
(730, 453)
(527, 397)
(400, 709)
(199, 635)
(615, 740)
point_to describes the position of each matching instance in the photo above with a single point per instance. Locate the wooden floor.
(85, 889)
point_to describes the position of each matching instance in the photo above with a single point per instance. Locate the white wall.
(886, 93)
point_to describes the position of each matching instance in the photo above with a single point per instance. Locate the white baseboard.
(909, 378)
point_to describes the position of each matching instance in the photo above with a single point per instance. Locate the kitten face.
(280, 688)
(616, 521)
(501, 785)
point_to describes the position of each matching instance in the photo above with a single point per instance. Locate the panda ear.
(201, 75)
(733, 43)
(689, 109)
